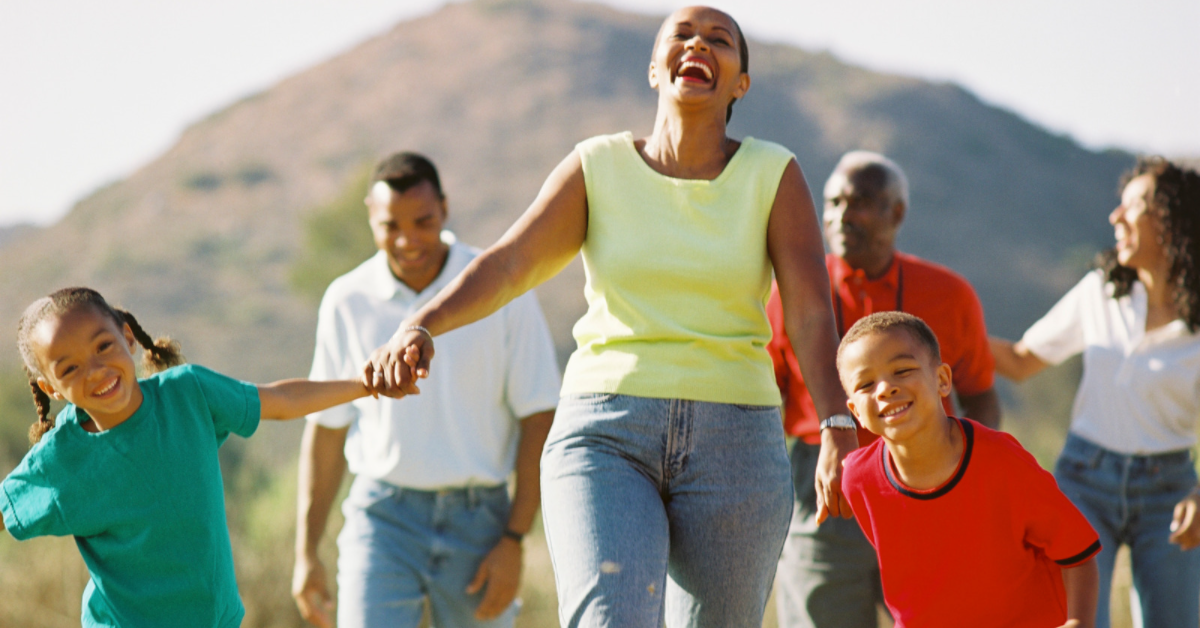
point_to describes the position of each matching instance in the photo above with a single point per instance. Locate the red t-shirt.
(935, 294)
(983, 549)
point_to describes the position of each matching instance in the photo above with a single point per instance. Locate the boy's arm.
(292, 398)
(1083, 589)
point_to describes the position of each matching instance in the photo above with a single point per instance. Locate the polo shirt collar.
(845, 275)
(384, 285)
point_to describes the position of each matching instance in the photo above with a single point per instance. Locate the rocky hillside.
(201, 242)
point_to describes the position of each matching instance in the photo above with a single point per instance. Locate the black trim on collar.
(969, 434)
(1081, 556)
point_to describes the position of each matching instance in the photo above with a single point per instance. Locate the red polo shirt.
(935, 294)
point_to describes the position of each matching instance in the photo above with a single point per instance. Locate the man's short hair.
(403, 171)
(894, 181)
(881, 322)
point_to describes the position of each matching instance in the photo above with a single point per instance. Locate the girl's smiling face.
(86, 358)
(696, 58)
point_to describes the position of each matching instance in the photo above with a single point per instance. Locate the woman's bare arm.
(798, 254)
(541, 243)
(1014, 360)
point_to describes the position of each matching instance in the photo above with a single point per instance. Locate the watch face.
(840, 421)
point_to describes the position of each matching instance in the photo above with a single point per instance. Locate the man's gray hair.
(895, 183)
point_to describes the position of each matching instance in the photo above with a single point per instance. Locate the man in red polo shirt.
(828, 575)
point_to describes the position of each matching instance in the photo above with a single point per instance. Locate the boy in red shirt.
(969, 530)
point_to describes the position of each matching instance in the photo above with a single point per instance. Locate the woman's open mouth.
(694, 71)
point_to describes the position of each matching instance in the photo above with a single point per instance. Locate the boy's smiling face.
(894, 383)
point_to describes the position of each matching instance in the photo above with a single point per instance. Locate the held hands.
(393, 369)
(835, 445)
(501, 571)
(1185, 527)
(311, 593)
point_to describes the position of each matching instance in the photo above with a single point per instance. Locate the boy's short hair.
(887, 321)
(404, 171)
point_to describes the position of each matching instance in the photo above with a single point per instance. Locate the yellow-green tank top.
(677, 277)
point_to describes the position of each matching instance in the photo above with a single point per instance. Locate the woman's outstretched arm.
(798, 253)
(1014, 360)
(541, 243)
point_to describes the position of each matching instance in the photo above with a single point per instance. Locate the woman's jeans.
(1130, 500)
(664, 509)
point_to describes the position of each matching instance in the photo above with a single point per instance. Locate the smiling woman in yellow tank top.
(666, 485)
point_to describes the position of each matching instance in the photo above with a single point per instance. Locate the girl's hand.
(1185, 527)
(1071, 623)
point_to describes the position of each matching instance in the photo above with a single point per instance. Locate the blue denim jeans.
(401, 546)
(1130, 500)
(664, 510)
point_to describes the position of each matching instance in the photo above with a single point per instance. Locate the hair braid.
(161, 353)
(45, 422)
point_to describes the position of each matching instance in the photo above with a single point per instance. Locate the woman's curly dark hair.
(1176, 203)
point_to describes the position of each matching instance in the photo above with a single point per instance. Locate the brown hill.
(200, 242)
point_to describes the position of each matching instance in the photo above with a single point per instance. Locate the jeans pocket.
(1176, 479)
(1072, 462)
(366, 494)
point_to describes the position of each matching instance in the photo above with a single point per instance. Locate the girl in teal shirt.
(129, 467)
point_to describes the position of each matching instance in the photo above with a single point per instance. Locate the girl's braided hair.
(1176, 204)
(160, 354)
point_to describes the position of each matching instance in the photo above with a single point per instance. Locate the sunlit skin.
(407, 227)
(861, 219)
(895, 387)
(1138, 231)
(87, 359)
(696, 60)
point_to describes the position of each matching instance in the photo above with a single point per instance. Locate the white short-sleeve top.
(463, 428)
(1140, 392)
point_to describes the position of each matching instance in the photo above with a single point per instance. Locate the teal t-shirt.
(144, 501)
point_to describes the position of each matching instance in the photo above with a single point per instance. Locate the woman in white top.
(1127, 463)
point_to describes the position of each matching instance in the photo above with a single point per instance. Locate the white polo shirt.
(1140, 392)
(463, 427)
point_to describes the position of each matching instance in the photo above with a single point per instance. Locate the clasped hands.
(394, 368)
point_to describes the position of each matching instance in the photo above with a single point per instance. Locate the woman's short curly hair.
(1176, 204)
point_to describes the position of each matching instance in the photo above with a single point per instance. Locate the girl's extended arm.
(1014, 360)
(798, 254)
(541, 243)
(1083, 589)
(293, 398)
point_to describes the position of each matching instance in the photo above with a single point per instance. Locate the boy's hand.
(835, 445)
(1185, 526)
(1071, 623)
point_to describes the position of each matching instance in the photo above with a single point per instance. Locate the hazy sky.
(93, 90)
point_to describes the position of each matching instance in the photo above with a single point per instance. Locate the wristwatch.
(840, 422)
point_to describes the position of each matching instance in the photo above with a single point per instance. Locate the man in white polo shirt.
(428, 516)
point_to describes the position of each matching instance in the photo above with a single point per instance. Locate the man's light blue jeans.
(1130, 500)
(664, 510)
(400, 546)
